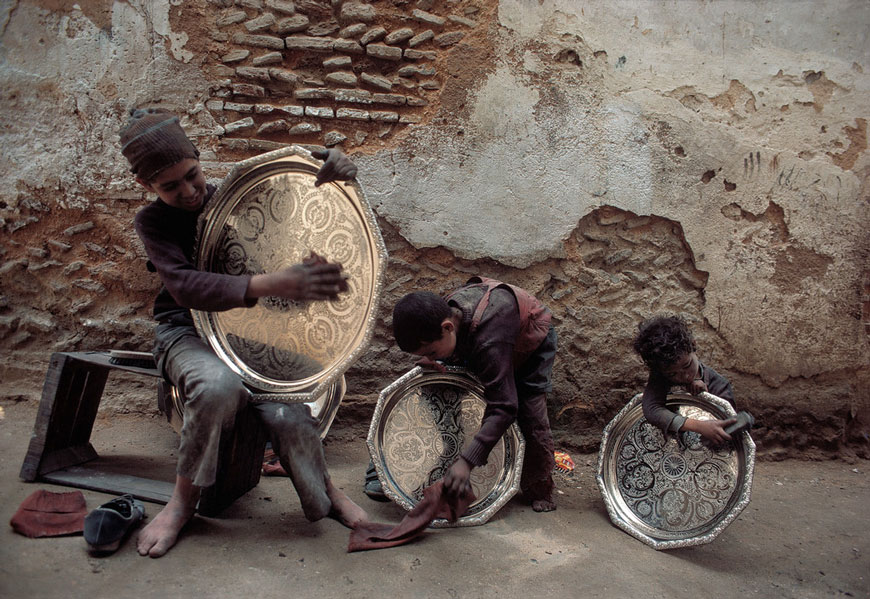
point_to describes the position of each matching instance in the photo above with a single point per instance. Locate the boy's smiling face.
(683, 371)
(181, 186)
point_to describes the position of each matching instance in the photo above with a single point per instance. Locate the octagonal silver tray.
(420, 425)
(268, 215)
(673, 492)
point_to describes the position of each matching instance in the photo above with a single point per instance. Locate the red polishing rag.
(435, 504)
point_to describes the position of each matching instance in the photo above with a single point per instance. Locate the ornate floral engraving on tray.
(276, 224)
(266, 216)
(426, 432)
(678, 491)
(421, 423)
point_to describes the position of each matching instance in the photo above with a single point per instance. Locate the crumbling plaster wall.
(619, 159)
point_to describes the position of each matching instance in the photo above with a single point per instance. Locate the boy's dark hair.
(417, 319)
(663, 340)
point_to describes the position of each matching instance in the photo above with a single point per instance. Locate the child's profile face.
(683, 370)
(442, 348)
(181, 186)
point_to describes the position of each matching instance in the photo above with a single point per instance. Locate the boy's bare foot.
(161, 533)
(343, 509)
(543, 505)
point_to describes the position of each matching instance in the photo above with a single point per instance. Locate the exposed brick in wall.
(85, 287)
(322, 72)
(617, 269)
(72, 275)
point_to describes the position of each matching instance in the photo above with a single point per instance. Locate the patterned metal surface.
(679, 491)
(420, 425)
(268, 215)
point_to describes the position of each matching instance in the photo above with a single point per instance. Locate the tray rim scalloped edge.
(485, 514)
(289, 392)
(659, 544)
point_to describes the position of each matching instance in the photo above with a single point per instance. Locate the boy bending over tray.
(165, 162)
(502, 334)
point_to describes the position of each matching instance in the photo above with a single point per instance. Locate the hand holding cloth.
(436, 503)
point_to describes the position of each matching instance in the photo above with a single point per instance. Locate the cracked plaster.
(572, 110)
(523, 171)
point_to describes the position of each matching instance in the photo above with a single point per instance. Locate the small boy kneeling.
(667, 347)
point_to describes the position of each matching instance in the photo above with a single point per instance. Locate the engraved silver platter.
(268, 215)
(420, 425)
(674, 492)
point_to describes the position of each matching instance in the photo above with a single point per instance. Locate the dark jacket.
(488, 351)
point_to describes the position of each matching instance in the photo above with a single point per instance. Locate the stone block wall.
(618, 160)
(329, 73)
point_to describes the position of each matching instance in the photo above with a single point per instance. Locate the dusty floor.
(806, 533)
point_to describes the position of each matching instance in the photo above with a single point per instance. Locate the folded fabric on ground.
(47, 514)
(435, 504)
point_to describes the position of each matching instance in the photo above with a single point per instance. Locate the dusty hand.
(314, 279)
(336, 166)
(696, 387)
(427, 363)
(457, 481)
(712, 430)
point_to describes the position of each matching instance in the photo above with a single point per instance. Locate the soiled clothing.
(169, 236)
(511, 391)
(656, 392)
(212, 393)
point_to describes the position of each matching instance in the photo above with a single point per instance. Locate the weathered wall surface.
(618, 159)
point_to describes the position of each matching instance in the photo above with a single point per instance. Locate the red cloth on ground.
(435, 504)
(47, 514)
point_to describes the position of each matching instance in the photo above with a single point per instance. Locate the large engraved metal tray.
(267, 215)
(420, 425)
(674, 492)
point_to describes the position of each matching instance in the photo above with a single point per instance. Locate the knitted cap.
(153, 140)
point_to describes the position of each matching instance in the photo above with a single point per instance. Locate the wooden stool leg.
(67, 410)
(240, 463)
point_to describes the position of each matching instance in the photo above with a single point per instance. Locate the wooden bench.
(60, 450)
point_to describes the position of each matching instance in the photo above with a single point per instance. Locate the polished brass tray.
(420, 425)
(674, 492)
(268, 215)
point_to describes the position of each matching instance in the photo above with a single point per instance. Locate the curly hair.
(417, 319)
(663, 340)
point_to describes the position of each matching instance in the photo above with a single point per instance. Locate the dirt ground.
(805, 533)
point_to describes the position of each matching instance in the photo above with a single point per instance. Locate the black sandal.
(373, 487)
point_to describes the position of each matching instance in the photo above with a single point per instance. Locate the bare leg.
(161, 533)
(343, 509)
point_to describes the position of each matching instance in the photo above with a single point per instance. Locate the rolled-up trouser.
(213, 394)
(533, 381)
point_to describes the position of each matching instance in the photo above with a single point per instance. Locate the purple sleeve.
(654, 410)
(717, 384)
(191, 288)
(492, 363)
